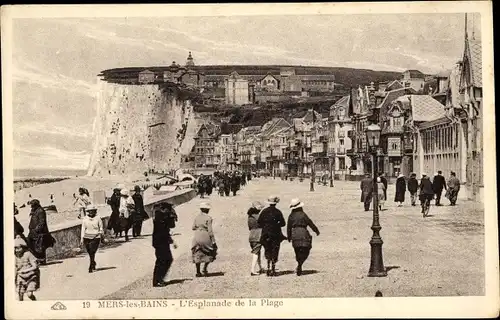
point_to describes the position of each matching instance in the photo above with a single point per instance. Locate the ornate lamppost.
(312, 162)
(377, 268)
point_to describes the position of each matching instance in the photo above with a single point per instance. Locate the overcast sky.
(56, 61)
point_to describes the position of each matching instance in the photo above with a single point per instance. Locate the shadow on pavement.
(389, 268)
(178, 281)
(104, 268)
(214, 274)
(283, 273)
(307, 272)
(48, 263)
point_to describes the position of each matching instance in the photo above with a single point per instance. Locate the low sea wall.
(68, 234)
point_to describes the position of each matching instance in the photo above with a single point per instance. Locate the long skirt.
(301, 253)
(452, 195)
(202, 249)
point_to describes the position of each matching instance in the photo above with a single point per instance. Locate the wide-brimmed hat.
(19, 242)
(401, 175)
(257, 205)
(91, 207)
(296, 203)
(205, 205)
(124, 192)
(424, 174)
(273, 200)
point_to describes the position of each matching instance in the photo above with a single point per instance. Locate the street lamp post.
(312, 173)
(377, 268)
(332, 169)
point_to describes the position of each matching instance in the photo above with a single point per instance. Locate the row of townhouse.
(439, 129)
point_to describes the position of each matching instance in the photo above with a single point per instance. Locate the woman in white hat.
(127, 205)
(204, 248)
(254, 237)
(271, 221)
(381, 193)
(297, 232)
(92, 232)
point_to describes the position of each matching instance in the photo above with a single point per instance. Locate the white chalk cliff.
(141, 128)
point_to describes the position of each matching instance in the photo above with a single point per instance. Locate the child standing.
(27, 271)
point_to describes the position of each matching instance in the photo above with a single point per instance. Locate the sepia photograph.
(199, 158)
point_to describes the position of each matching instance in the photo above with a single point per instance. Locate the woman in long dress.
(254, 237)
(39, 237)
(400, 190)
(271, 221)
(204, 248)
(381, 193)
(127, 209)
(297, 232)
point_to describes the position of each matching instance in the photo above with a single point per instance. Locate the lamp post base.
(377, 268)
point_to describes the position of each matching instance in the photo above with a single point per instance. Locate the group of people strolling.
(225, 182)
(265, 232)
(425, 190)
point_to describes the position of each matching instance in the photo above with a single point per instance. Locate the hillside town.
(428, 123)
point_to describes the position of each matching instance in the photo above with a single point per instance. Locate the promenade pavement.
(441, 255)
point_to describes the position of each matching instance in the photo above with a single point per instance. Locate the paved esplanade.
(437, 256)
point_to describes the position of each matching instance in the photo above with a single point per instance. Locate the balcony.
(322, 154)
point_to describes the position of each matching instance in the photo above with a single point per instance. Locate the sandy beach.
(62, 192)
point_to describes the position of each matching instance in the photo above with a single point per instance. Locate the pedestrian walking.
(163, 221)
(201, 186)
(297, 233)
(381, 193)
(127, 206)
(438, 184)
(114, 203)
(227, 185)
(271, 221)
(83, 200)
(220, 185)
(235, 184)
(413, 188)
(91, 235)
(453, 189)
(366, 191)
(209, 185)
(139, 214)
(400, 190)
(383, 179)
(27, 276)
(204, 247)
(39, 237)
(18, 228)
(254, 238)
(426, 191)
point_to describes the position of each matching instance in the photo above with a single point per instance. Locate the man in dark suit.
(161, 242)
(438, 184)
(366, 191)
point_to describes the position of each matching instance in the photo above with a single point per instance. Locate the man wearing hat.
(271, 221)
(438, 184)
(161, 242)
(139, 214)
(27, 270)
(426, 191)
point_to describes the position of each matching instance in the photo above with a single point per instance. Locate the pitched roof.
(391, 96)
(395, 84)
(274, 125)
(416, 74)
(475, 53)
(424, 107)
(325, 77)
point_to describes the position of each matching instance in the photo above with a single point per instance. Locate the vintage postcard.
(307, 160)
